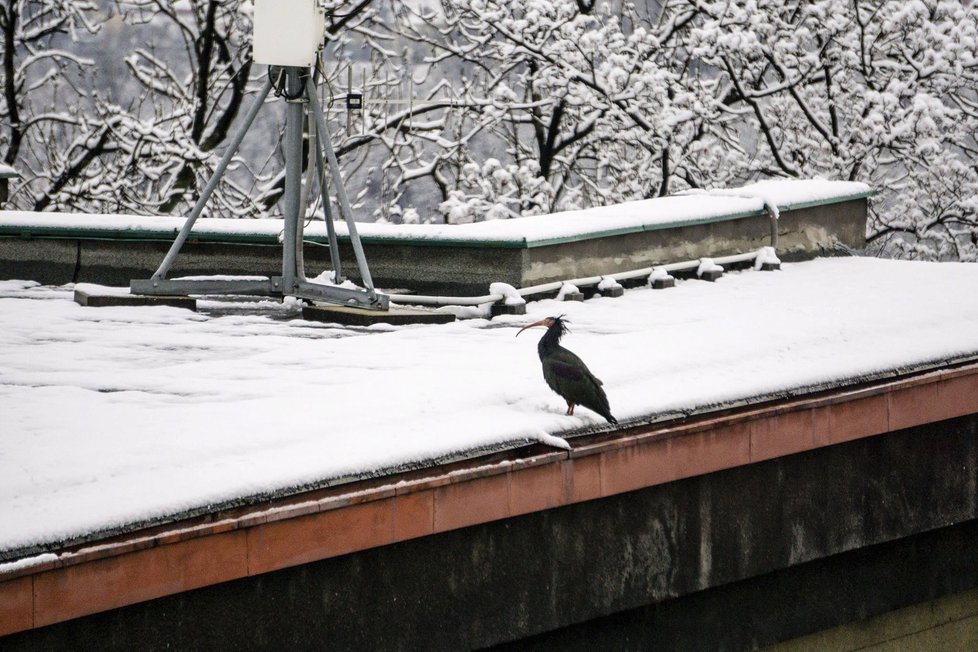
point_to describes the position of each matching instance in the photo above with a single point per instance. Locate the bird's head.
(557, 325)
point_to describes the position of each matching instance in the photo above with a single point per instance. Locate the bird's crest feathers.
(560, 325)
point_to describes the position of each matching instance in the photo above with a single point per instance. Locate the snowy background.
(115, 415)
(485, 109)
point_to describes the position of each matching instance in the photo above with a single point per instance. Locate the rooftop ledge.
(281, 442)
(661, 213)
(233, 544)
(802, 219)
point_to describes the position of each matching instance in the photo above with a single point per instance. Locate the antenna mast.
(288, 36)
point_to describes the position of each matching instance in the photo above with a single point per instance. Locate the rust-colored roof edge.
(489, 456)
(382, 511)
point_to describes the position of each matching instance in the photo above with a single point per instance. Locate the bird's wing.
(577, 370)
(566, 370)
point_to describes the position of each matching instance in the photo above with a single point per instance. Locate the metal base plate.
(95, 299)
(350, 316)
(272, 287)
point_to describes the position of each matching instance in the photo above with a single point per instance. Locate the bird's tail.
(603, 407)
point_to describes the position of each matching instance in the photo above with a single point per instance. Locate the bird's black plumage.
(566, 374)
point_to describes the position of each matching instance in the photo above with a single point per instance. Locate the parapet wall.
(455, 260)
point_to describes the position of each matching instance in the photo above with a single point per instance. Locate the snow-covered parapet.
(691, 207)
(793, 193)
(757, 191)
(770, 203)
(780, 194)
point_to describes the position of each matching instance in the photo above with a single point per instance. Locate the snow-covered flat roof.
(537, 230)
(120, 415)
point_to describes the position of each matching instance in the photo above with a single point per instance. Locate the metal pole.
(341, 196)
(316, 160)
(239, 135)
(309, 131)
(293, 176)
(334, 247)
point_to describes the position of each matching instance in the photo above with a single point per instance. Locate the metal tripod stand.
(299, 94)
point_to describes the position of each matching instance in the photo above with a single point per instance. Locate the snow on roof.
(116, 415)
(648, 214)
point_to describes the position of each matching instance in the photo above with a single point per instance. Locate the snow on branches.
(489, 109)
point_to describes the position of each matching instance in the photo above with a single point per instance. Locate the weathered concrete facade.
(730, 560)
(729, 531)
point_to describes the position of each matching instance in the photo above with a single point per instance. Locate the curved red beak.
(543, 322)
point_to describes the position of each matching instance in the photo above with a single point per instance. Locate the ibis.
(566, 374)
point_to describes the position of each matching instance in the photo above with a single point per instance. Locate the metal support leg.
(239, 135)
(344, 201)
(293, 177)
(334, 247)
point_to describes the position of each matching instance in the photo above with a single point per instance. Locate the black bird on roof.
(566, 373)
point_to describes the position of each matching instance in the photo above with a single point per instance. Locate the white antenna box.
(287, 32)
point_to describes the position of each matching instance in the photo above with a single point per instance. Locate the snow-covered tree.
(45, 83)
(878, 91)
(487, 109)
(619, 100)
(604, 100)
(190, 68)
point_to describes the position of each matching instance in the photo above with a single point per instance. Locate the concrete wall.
(457, 269)
(734, 559)
(948, 623)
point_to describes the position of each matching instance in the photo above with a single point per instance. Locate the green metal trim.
(826, 202)
(645, 228)
(516, 243)
(145, 235)
(136, 235)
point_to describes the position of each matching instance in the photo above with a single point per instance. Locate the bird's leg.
(570, 409)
